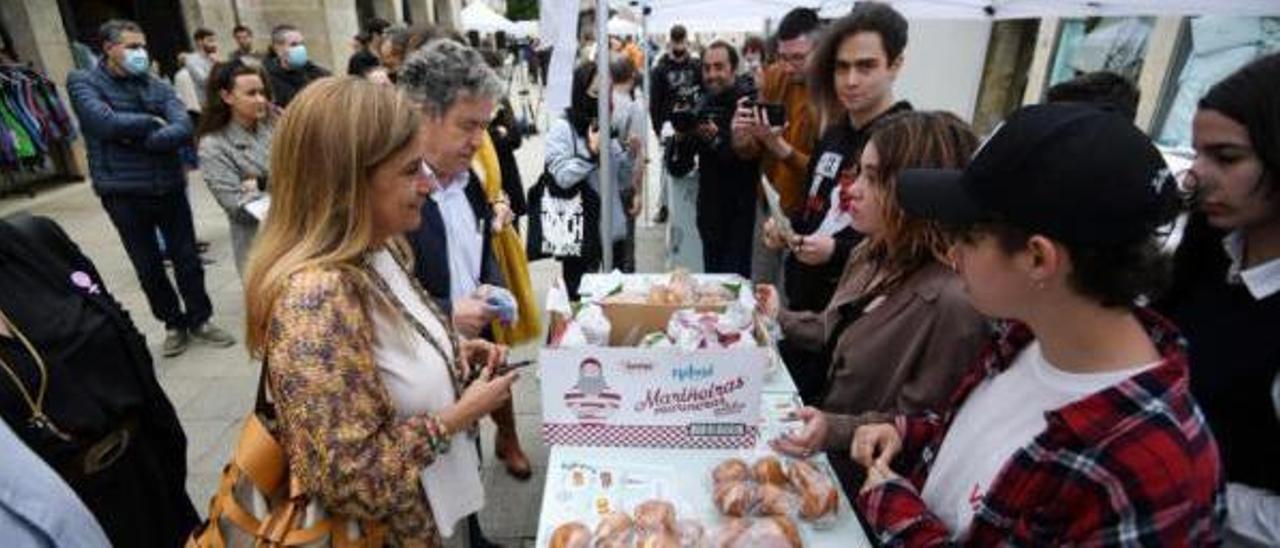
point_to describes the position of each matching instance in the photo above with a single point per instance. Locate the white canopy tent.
(750, 15)
(524, 29)
(481, 18)
(621, 27)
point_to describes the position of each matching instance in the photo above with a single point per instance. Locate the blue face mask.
(296, 56)
(136, 61)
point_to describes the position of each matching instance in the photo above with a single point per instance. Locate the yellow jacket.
(508, 249)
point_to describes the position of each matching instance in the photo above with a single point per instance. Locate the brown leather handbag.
(258, 504)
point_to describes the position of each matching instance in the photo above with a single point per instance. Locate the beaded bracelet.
(438, 435)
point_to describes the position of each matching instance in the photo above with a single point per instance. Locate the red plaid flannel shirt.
(1132, 465)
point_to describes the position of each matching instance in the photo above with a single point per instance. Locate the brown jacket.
(904, 354)
(790, 175)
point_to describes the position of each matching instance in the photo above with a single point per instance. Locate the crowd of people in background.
(990, 344)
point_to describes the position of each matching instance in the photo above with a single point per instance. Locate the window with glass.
(1116, 44)
(1211, 48)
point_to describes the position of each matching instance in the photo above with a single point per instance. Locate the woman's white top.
(417, 379)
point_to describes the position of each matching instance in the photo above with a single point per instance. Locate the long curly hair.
(913, 139)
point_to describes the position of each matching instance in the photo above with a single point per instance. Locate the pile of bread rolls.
(768, 489)
(653, 524)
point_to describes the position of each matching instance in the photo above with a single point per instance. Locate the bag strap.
(261, 405)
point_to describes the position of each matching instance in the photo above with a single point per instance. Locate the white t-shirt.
(1001, 416)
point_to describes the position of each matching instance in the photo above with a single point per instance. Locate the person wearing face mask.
(134, 126)
(235, 144)
(1226, 290)
(288, 66)
(200, 61)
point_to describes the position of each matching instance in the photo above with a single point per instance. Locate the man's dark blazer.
(431, 246)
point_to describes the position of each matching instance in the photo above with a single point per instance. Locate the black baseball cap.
(1076, 173)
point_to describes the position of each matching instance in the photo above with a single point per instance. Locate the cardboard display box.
(627, 396)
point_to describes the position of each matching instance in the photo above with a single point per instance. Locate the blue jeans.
(137, 218)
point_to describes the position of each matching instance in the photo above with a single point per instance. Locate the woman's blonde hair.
(326, 146)
(910, 140)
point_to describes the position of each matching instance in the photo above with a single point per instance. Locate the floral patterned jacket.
(336, 420)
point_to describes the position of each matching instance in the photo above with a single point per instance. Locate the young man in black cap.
(1076, 426)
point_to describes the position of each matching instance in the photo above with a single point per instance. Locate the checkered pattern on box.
(675, 437)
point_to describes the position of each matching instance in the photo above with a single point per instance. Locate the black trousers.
(726, 225)
(136, 218)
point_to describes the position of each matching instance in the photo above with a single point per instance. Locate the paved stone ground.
(213, 389)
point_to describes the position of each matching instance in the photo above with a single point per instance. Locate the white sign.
(652, 397)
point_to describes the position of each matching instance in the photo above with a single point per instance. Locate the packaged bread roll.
(735, 498)
(655, 516)
(614, 531)
(731, 470)
(659, 539)
(691, 534)
(776, 532)
(571, 535)
(775, 500)
(818, 495)
(769, 470)
(770, 532)
(732, 534)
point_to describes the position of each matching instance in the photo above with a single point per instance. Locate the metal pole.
(606, 186)
(644, 79)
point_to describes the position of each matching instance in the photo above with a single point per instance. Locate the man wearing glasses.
(781, 146)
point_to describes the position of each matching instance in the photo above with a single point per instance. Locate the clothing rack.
(35, 129)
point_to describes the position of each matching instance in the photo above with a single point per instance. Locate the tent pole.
(644, 81)
(604, 94)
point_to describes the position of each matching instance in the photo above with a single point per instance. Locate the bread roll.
(664, 539)
(769, 470)
(691, 534)
(818, 494)
(655, 516)
(571, 535)
(775, 500)
(735, 498)
(614, 531)
(775, 528)
(733, 534)
(731, 470)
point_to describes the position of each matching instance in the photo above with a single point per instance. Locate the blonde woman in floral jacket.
(370, 383)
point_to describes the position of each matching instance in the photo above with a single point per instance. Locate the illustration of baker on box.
(591, 398)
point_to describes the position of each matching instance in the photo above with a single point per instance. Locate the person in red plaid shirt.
(1076, 425)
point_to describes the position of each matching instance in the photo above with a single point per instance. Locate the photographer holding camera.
(726, 182)
(781, 144)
